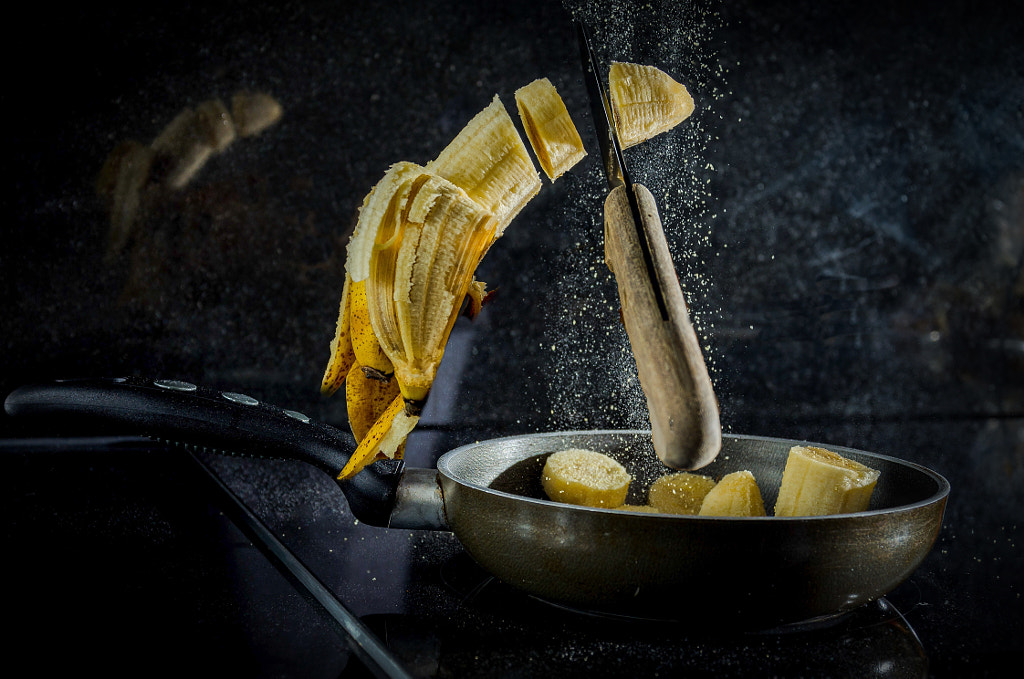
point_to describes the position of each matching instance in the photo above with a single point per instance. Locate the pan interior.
(513, 465)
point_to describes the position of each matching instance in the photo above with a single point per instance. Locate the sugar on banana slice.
(736, 494)
(679, 493)
(817, 482)
(585, 477)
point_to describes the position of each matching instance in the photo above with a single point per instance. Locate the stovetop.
(128, 554)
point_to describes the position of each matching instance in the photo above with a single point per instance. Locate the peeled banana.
(679, 493)
(735, 494)
(817, 482)
(421, 232)
(645, 101)
(417, 243)
(585, 477)
(551, 132)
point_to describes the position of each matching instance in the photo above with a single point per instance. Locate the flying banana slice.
(817, 482)
(645, 101)
(551, 132)
(736, 494)
(679, 493)
(585, 477)
(418, 241)
(489, 161)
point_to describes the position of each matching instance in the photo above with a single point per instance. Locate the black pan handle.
(227, 422)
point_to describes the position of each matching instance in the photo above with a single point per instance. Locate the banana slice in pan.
(585, 477)
(817, 482)
(736, 494)
(679, 493)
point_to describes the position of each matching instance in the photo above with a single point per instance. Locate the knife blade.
(611, 155)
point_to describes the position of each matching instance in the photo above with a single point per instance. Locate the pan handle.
(226, 422)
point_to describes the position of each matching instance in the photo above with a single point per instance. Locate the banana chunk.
(584, 477)
(679, 493)
(645, 101)
(736, 494)
(817, 482)
(551, 132)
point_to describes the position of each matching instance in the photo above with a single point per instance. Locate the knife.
(681, 402)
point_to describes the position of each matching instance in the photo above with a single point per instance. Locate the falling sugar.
(592, 379)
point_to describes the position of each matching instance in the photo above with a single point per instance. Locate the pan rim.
(444, 467)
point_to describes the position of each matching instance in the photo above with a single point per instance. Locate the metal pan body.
(740, 573)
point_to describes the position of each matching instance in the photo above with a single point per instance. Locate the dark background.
(845, 209)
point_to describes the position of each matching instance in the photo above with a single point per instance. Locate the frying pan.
(713, 572)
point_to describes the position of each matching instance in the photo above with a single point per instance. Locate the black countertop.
(845, 210)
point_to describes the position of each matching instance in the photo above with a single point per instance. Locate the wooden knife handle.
(680, 398)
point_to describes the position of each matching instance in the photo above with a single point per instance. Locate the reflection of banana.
(645, 101)
(549, 128)
(735, 494)
(816, 482)
(175, 155)
(679, 493)
(585, 477)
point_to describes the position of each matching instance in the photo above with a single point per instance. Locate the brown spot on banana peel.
(375, 374)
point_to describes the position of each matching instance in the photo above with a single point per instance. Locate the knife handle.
(200, 417)
(681, 402)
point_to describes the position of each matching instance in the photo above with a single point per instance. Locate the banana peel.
(343, 356)
(383, 440)
(367, 399)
